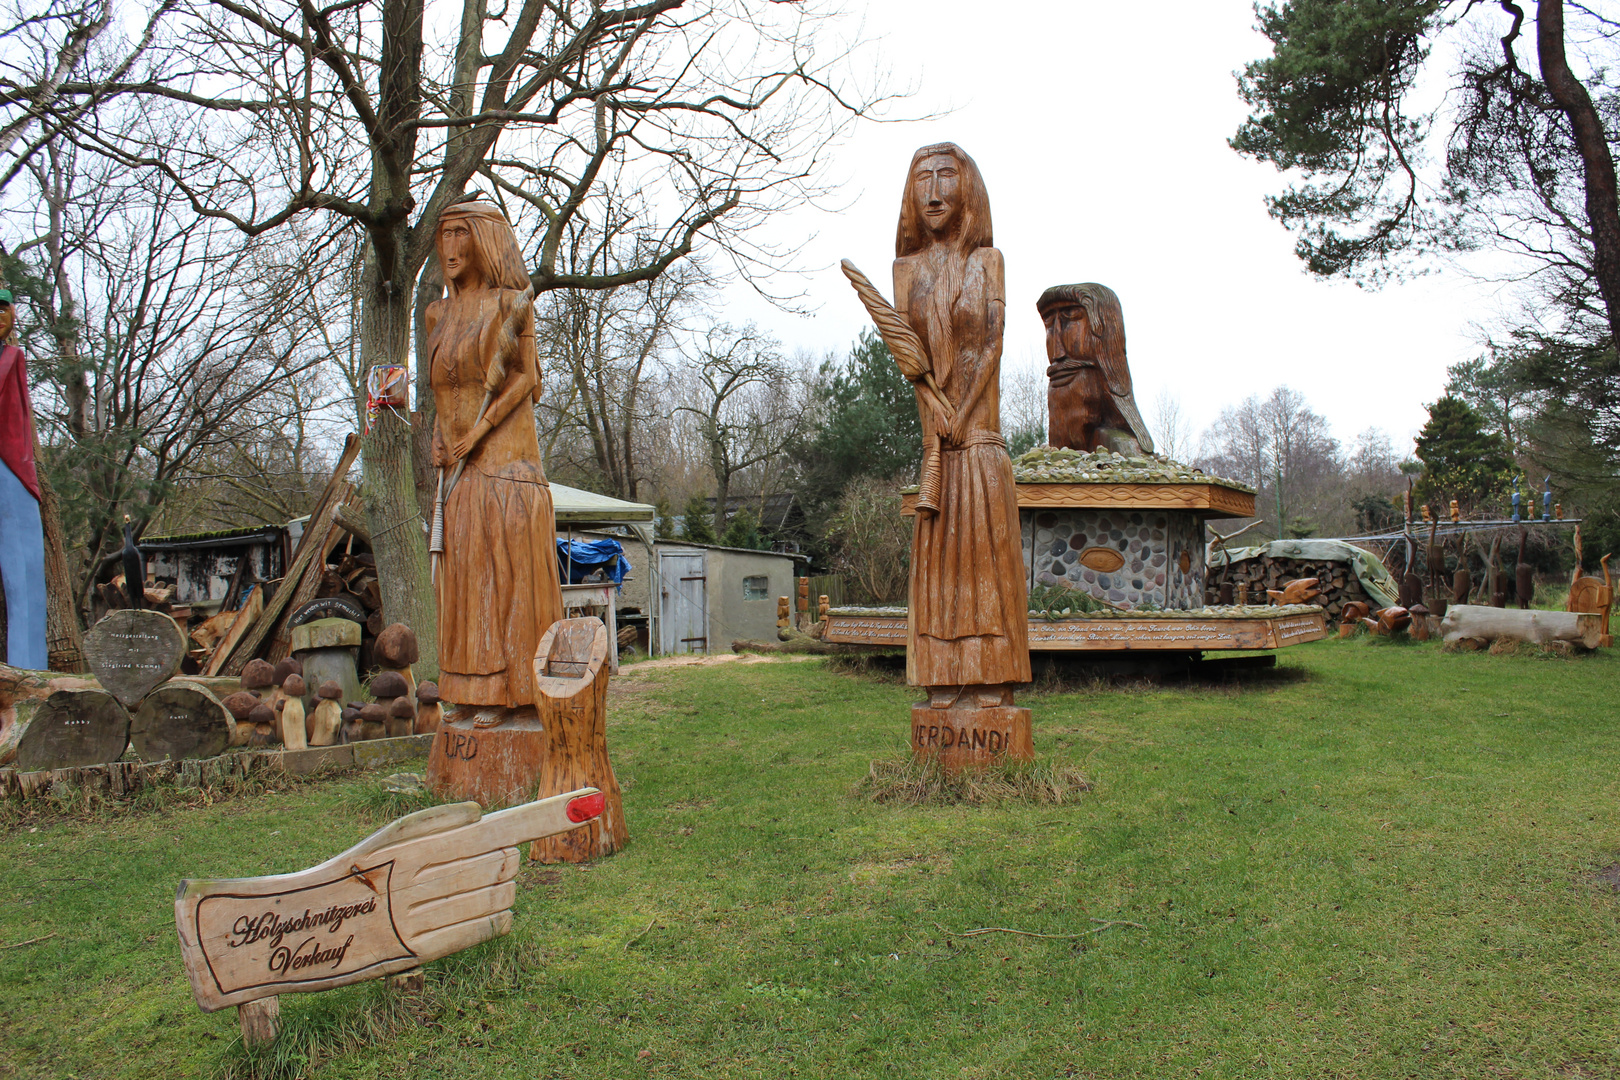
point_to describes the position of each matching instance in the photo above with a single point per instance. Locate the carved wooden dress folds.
(969, 600)
(498, 589)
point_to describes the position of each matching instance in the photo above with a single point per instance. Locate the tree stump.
(571, 678)
(134, 652)
(181, 719)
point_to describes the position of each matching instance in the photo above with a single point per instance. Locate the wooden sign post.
(430, 884)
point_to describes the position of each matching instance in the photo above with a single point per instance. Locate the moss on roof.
(1052, 465)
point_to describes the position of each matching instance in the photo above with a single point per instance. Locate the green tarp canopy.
(1370, 570)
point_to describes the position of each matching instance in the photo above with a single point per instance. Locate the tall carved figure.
(496, 576)
(968, 631)
(22, 536)
(1088, 398)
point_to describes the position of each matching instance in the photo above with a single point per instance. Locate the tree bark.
(64, 639)
(392, 511)
(1602, 198)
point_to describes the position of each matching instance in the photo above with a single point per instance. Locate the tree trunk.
(1602, 198)
(64, 639)
(397, 537)
(429, 288)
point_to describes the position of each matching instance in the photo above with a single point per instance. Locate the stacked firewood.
(1336, 580)
(158, 594)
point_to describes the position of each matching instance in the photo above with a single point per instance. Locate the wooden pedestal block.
(963, 735)
(493, 766)
(570, 679)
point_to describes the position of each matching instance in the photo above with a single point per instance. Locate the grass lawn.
(1383, 862)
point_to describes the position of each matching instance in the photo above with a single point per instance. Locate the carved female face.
(934, 187)
(458, 254)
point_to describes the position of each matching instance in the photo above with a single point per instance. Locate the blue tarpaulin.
(579, 559)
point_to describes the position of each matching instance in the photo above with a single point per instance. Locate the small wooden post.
(408, 982)
(260, 1020)
(822, 607)
(783, 620)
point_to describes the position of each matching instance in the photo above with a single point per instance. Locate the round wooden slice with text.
(70, 729)
(181, 719)
(131, 652)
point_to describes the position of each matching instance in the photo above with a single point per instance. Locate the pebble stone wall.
(1151, 542)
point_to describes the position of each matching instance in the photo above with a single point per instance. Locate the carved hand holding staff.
(430, 884)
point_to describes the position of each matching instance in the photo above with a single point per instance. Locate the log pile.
(1336, 581)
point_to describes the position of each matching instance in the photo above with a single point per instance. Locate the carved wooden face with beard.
(1089, 381)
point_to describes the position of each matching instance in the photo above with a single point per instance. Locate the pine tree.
(1461, 460)
(697, 522)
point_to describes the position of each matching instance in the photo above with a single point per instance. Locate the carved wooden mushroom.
(324, 720)
(429, 710)
(258, 678)
(263, 722)
(352, 730)
(373, 721)
(240, 705)
(293, 734)
(388, 687)
(1420, 622)
(401, 717)
(278, 675)
(396, 650)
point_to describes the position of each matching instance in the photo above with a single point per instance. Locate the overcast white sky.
(1101, 128)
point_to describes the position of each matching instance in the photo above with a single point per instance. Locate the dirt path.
(705, 661)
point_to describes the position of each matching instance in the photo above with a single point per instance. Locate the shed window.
(757, 588)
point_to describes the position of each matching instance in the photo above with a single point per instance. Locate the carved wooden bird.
(1298, 591)
(134, 568)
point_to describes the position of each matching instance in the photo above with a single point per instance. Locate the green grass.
(1379, 864)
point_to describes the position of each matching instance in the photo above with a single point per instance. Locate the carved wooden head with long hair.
(1105, 335)
(499, 257)
(970, 225)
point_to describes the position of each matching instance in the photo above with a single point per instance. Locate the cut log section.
(571, 678)
(1472, 621)
(181, 719)
(66, 730)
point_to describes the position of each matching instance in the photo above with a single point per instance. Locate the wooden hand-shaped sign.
(430, 884)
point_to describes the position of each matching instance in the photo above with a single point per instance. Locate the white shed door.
(683, 607)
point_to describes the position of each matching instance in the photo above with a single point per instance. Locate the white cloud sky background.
(1101, 132)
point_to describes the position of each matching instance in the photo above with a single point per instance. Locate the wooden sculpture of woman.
(969, 594)
(496, 583)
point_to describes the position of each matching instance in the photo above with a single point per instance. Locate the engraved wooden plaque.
(132, 652)
(430, 884)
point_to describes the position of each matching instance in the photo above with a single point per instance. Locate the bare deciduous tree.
(258, 112)
(156, 337)
(743, 407)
